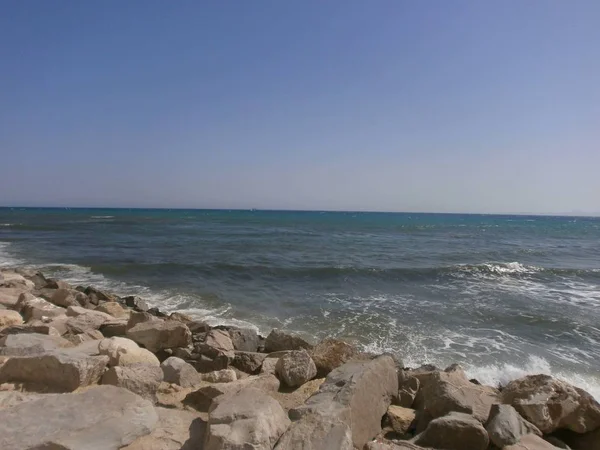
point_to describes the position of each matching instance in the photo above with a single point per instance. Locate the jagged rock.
(114, 328)
(347, 409)
(81, 320)
(277, 341)
(35, 326)
(248, 362)
(220, 376)
(198, 326)
(57, 284)
(506, 427)
(113, 309)
(217, 343)
(408, 388)
(141, 379)
(78, 311)
(60, 370)
(202, 398)
(296, 368)
(455, 431)
(177, 371)
(96, 295)
(402, 419)
(331, 353)
(28, 344)
(68, 297)
(136, 317)
(9, 297)
(37, 278)
(9, 318)
(14, 280)
(244, 339)
(552, 404)
(533, 442)
(158, 335)
(388, 445)
(135, 302)
(88, 335)
(37, 308)
(181, 317)
(125, 352)
(246, 419)
(103, 417)
(270, 362)
(204, 364)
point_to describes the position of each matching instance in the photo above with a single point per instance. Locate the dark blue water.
(502, 295)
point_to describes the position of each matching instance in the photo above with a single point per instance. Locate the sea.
(504, 296)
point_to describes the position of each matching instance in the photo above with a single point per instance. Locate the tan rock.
(278, 340)
(296, 368)
(455, 431)
(9, 297)
(533, 442)
(220, 376)
(113, 309)
(68, 297)
(330, 354)
(8, 318)
(177, 371)
(37, 308)
(506, 427)
(402, 419)
(27, 344)
(217, 343)
(124, 352)
(249, 362)
(141, 379)
(158, 335)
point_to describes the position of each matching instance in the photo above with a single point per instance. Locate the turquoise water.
(502, 295)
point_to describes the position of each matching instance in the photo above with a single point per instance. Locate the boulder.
(58, 370)
(37, 308)
(88, 335)
(84, 323)
(220, 376)
(135, 302)
(57, 284)
(37, 278)
(14, 280)
(217, 343)
(160, 334)
(28, 344)
(181, 317)
(348, 408)
(249, 362)
(77, 311)
(578, 441)
(103, 417)
(34, 326)
(401, 419)
(244, 339)
(506, 427)
(408, 389)
(177, 371)
(380, 444)
(204, 364)
(114, 328)
(113, 309)
(9, 297)
(124, 352)
(96, 295)
(296, 368)
(136, 317)
(141, 379)
(203, 398)
(277, 341)
(68, 297)
(270, 362)
(445, 392)
(455, 431)
(330, 354)
(552, 404)
(248, 419)
(533, 442)
(8, 318)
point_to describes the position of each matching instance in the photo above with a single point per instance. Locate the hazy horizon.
(461, 107)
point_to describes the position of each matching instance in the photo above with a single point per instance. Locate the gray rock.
(330, 354)
(57, 284)
(455, 431)
(248, 419)
(204, 364)
(160, 334)
(177, 371)
(136, 303)
(348, 408)
(408, 389)
(506, 427)
(248, 362)
(141, 379)
(533, 442)
(278, 340)
(296, 368)
(244, 339)
(96, 295)
(101, 418)
(28, 344)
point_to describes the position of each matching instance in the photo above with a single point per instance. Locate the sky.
(439, 106)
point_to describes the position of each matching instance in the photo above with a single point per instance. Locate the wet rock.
(296, 368)
(248, 362)
(278, 340)
(220, 376)
(125, 352)
(158, 335)
(401, 419)
(135, 302)
(330, 354)
(177, 371)
(141, 379)
(506, 427)
(455, 431)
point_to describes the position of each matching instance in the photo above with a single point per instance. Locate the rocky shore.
(85, 369)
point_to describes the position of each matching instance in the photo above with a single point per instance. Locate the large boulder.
(456, 431)
(506, 427)
(28, 344)
(177, 371)
(113, 309)
(401, 419)
(136, 317)
(408, 387)
(248, 419)
(278, 340)
(552, 404)
(296, 368)
(9, 318)
(37, 308)
(101, 418)
(160, 334)
(58, 370)
(348, 408)
(330, 354)
(380, 444)
(11, 279)
(249, 362)
(142, 379)
(533, 442)
(244, 339)
(9, 297)
(217, 342)
(69, 297)
(445, 392)
(124, 352)
(112, 328)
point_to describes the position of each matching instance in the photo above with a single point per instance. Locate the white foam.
(6, 259)
(102, 217)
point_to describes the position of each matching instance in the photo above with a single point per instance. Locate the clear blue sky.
(450, 106)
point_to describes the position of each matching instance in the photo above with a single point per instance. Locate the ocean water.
(501, 295)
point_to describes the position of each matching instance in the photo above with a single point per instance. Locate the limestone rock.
(37, 308)
(296, 368)
(246, 419)
(396, 445)
(28, 344)
(12, 279)
(59, 370)
(158, 335)
(217, 343)
(68, 297)
(331, 353)
(124, 352)
(112, 328)
(101, 418)
(249, 362)
(552, 404)
(270, 363)
(244, 339)
(533, 442)
(455, 431)
(220, 376)
(113, 309)
(347, 409)
(402, 419)
(141, 379)
(506, 427)
(9, 297)
(8, 318)
(278, 340)
(136, 317)
(87, 335)
(177, 371)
